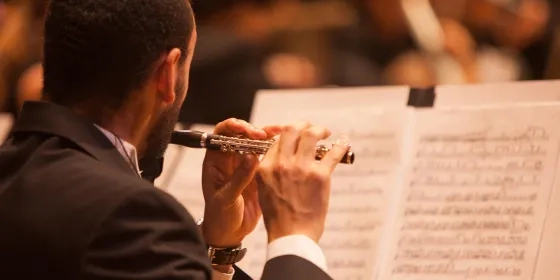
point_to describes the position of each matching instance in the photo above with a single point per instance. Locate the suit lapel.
(48, 118)
(240, 274)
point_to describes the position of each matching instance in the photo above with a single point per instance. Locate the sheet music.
(547, 262)
(361, 193)
(185, 183)
(498, 93)
(269, 103)
(477, 194)
(5, 126)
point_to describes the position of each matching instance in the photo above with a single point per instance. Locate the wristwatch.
(224, 256)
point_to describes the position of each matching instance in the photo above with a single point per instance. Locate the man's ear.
(167, 77)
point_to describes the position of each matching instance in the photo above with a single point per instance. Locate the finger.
(235, 127)
(272, 152)
(287, 143)
(273, 133)
(272, 130)
(241, 178)
(335, 155)
(307, 147)
(229, 127)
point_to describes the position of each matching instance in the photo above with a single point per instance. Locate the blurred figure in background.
(477, 36)
(2, 12)
(315, 59)
(227, 68)
(520, 30)
(241, 49)
(247, 45)
(20, 53)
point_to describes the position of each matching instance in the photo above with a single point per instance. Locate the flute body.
(198, 139)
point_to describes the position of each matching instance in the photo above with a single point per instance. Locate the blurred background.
(247, 45)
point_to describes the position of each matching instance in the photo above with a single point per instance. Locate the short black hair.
(101, 50)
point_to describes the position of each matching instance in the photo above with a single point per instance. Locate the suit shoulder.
(151, 204)
(117, 189)
(150, 228)
(71, 167)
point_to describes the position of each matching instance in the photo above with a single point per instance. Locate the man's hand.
(230, 192)
(294, 188)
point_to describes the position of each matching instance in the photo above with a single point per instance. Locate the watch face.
(226, 256)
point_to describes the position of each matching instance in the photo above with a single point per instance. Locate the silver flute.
(198, 139)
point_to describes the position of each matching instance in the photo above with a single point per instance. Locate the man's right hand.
(294, 188)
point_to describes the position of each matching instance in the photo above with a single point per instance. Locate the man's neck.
(127, 150)
(121, 124)
(119, 131)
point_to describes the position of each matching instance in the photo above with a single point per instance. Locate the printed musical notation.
(476, 197)
(360, 193)
(360, 199)
(355, 218)
(450, 271)
(458, 238)
(498, 195)
(531, 132)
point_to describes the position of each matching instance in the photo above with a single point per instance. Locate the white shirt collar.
(127, 150)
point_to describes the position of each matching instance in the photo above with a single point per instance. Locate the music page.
(276, 101)
(361, 193)
(497, 93)
(185, 177)
(476, 195)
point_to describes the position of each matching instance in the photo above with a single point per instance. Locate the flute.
(198, 139)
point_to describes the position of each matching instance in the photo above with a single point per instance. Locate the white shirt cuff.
(298, 245)
(216, 275)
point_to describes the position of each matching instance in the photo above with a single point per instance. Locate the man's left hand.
(232, 207)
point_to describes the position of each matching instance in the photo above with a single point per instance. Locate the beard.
(160, 136)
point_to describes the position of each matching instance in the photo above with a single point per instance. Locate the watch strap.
(226, 256)
(223, 256)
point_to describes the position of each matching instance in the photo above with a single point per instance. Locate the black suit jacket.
(71, 207)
